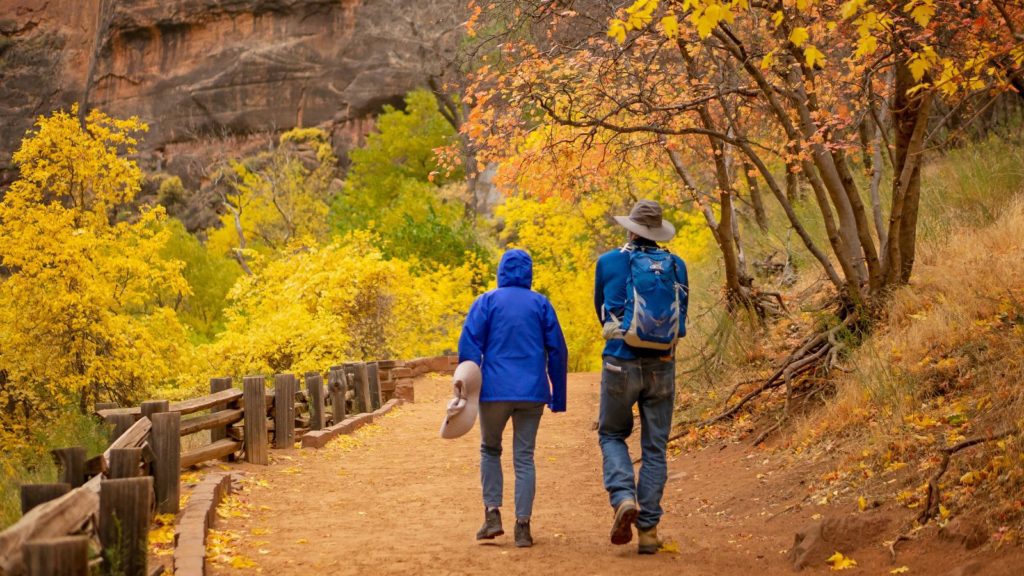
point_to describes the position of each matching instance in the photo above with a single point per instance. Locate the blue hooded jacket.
(513, 334)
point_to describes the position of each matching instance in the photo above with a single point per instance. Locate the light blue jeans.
(650, 383)
(525, 422)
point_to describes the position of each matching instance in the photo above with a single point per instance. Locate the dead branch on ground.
(931, 507)
(810, 355)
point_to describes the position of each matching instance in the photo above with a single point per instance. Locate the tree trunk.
(910, 120)
(755, 196)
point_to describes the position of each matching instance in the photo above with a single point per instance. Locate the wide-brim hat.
(461, 411)
(645, 219)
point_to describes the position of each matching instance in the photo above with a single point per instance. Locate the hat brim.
(462, 422)
(660, 234)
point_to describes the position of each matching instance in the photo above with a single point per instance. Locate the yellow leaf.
(921, 11)
(669, 547)
(900, 570)
(777, 18)
(918, 66)
(866, 45)
(617, 30)
(850, 8)
(862, 503)
(798, 36)
(670, 26)
(814, 57)
(242, 562)
(768, 60)
(706, 20)
(840, 562)
(971, 478)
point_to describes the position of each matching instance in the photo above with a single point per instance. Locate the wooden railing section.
(109, 498)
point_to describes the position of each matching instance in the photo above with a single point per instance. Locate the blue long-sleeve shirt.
(514, 335)
(610, 296)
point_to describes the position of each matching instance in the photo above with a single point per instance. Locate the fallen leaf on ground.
(840, 562)
(900, 570)
(669, 547)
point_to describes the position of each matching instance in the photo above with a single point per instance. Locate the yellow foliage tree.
(315, 306)
(565, 224)
(85, 296)
(276, 197)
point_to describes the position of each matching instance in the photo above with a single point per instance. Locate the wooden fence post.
(364, 387)
(67, 556)
(71, 462)
(373, 378)
(150, 407)
(254, 397)
(124, 462)
(119, 424)
(105, 406)
(165, 436)
(315, 389)
(337, 388)
(124, 525)
(355, 373)
(284, 410)
(33, 495)
(219, 385)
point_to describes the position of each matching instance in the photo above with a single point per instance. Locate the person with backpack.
(641, 295)
(513, 334)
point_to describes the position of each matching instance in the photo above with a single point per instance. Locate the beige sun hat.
(645, 219)
(460, 413)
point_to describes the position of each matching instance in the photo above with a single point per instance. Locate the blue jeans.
(649, 382)
(525, 422)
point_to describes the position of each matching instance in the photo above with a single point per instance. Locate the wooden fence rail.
(142, 466)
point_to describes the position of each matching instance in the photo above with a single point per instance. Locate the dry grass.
(947, 364)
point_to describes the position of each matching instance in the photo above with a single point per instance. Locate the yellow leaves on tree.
(798, 36)
(86, 302)
(813, 57)
(278, 196)
(921, 11)
(563, 222)
(317, 305)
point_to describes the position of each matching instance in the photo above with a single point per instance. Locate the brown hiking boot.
(523, 537)
(649, 541)
(492, 525)
(625, 516)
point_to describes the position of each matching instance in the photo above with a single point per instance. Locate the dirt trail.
(399, 500)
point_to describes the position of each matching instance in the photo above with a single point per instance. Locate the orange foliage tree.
(735, 95)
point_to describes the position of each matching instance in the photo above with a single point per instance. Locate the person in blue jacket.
(639, 376)
(513, 333)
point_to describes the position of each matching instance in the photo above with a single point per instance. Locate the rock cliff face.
(215, 78)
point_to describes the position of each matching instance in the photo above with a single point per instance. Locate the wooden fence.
(106, 503)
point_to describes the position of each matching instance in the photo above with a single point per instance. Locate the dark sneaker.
(649, 542)
(492, 525)
(523, 537)
(625, 516)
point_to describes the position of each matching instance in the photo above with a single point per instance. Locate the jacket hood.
(515, 269)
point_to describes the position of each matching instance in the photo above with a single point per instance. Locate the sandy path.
(399, 500)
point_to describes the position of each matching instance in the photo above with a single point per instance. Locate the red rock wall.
(214, 78)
